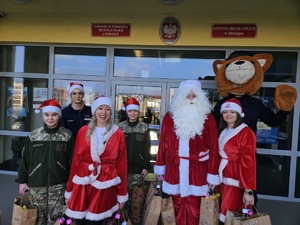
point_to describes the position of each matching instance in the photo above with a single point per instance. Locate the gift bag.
(23, 212)
(234, 218)
(209, 210)
(257, 219)
(167, 210)
(152, 207)
(138, 198)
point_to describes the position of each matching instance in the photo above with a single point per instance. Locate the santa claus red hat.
(232, 104)
(50, 105)
(132, 103)
(74, 85)
(101, 101)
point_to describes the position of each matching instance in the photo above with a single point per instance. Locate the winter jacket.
(137, 136)
(74, 119)
(47, 157)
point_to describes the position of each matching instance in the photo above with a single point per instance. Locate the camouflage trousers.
(49, 202)
(134, 180)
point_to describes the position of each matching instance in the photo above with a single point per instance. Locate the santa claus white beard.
(189, 119)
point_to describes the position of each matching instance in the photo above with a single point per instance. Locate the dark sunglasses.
(77, 93)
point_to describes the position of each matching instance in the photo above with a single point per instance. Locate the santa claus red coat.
(98, 177)
(237, 170)
(188, 165)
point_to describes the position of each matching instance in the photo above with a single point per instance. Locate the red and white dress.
(237, 170)
(98, 176)
(188, 166)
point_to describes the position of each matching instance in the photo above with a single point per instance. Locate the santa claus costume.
(237, 168)
(188, 151)
(98, 177)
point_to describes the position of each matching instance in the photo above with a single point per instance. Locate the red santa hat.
(74, 85)
(101, 101)
(50, 105)
(132, 103)
(232, 104)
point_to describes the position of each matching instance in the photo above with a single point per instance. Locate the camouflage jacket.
(47, 157)
(138, 145)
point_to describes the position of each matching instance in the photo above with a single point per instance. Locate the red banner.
(234, 30)
(111, 29)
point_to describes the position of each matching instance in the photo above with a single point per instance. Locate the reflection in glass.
(297, 184)
(283, 67)
(12, 154)
(26, 59)
(171, 64)
(273, 174)
(273, 137)
(21, 101)
(92, 90)
(150, 106)
(81, 61)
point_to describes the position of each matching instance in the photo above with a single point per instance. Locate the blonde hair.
(92, 125)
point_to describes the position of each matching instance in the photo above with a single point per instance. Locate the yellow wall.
(272, 31)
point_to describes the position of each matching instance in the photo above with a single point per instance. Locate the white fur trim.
(232, 106)
(204, 155)
(173, 189)
(122, 198)
(213, 179)
(75, 214)
(159, 170)
(101, 216)
(222, 217)
(101, 101)
(51, 108)
(91, 167)
(106, 184)
(231, 182)
(132, 106)
(68, 194)
(71, 89)
(184, 164)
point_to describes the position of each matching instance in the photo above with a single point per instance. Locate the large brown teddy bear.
(241, 75)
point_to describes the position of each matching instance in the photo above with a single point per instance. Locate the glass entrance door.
(151, 98)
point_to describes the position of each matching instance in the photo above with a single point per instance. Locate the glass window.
(172, 64)
(24, 59)
(22, 96)
(278, 137)
(297, 184)
(11, 155)
(272, 172)
(283, 67)
(150, 107)
(92, 90)
(81, 61)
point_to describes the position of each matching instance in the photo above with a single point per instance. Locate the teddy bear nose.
(239, 62)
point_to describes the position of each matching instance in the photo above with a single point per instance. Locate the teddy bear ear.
(264, 59)
(217, 65)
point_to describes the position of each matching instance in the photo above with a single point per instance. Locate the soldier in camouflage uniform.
(138, 145)
(46, 162)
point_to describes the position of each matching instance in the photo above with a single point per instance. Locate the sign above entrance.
(170, 30)
(237, 30)
(111, 29)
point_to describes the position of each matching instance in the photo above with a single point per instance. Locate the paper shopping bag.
(257, 219)
(23, 212)
(152, 207)
(233, 218)
(167, 210)
(209, 210)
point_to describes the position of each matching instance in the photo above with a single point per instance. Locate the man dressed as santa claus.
(187, 159)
